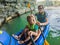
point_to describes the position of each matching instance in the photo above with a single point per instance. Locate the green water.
(53, 41)
(16, 24)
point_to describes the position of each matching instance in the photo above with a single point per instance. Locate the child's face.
(32, 20)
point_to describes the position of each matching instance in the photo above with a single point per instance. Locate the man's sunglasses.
(40, 8)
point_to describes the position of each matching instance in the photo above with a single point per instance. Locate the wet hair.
(41, 6)
(30, 16)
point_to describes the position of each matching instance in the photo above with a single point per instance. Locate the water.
(54, 20)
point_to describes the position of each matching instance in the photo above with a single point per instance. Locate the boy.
(32, 29)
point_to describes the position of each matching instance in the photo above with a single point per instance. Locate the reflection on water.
(54, 20)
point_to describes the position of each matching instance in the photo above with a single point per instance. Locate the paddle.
(29, 6)
(45, 41)
(32, 40)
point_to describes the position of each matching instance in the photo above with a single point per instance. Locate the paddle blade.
(28, 5)
(46, 43)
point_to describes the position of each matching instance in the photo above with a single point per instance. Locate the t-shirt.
(33, 27)
(41, 17)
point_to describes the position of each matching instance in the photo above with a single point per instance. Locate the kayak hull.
(6, 39)
(40, 39)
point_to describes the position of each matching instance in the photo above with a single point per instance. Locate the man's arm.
(42, 24)
(45, 23)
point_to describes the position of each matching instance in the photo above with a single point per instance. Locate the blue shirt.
(41, 17)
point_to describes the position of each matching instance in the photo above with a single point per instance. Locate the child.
(32, 29)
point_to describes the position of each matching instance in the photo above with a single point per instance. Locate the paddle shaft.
(32, 40)
(42, 33)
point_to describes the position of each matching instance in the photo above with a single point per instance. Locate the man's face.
(41, 10)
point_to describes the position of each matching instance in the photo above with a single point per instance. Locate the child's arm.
(30, 33)
(39, 32)
(36, 34)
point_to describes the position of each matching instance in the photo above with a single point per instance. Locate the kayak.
(41, 38)
(6, 39)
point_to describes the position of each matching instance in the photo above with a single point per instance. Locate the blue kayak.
(6, 39)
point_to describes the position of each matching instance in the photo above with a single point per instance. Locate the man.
(41, 16)
(42, 20)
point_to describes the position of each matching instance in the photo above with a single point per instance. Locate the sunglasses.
(40, 8)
